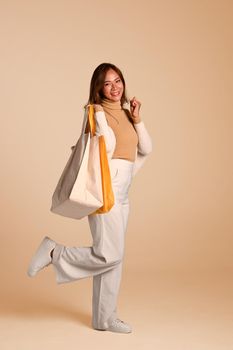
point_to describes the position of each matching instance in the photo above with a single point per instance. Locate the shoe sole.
(111, 330)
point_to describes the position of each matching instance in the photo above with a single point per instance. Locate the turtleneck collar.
(111, 104)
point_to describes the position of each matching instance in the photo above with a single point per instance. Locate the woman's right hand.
(98, 107)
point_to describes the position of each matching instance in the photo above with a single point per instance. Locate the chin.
(115, 98)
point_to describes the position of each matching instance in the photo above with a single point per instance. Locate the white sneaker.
(119, 326)
(42, 257)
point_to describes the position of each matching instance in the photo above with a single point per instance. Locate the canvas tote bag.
(84, 187)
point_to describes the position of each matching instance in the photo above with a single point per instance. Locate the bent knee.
(115, 258)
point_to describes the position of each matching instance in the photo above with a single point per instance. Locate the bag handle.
(85, 119)
(91, 120)
(89, 117)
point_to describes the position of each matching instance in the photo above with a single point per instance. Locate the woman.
(128, 144)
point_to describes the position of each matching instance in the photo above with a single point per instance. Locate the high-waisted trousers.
(103, 260)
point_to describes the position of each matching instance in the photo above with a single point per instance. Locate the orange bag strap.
(108, 195)
(91, 120)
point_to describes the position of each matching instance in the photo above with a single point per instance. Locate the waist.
(125, 163)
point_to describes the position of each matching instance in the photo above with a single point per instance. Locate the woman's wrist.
(136, 119)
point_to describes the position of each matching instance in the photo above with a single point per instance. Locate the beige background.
(176, 57)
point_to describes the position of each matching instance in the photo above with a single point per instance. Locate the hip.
(121, 171)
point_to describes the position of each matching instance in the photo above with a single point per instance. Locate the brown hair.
(97, 82)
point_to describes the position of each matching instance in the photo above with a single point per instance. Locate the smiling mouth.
(115, 93)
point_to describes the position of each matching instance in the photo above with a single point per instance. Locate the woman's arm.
(144, 139)
(102, 128)
(144, 142)
(144, 146)
(139, 161)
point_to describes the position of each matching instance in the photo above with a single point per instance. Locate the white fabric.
(102, 128)
(87, 193)
(42, 257)
(104, 259)
(79, 189)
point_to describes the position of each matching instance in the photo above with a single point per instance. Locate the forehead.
(111, 75)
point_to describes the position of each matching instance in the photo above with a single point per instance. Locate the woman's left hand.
(134, 108)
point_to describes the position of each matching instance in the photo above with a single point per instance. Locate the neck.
(111, 104)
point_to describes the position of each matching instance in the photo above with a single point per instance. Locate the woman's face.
(113, 86)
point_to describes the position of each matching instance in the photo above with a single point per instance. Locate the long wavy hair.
(97, 82)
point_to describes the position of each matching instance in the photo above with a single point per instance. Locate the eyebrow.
(106, 81)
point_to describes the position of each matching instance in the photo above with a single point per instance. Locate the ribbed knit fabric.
(123, 127)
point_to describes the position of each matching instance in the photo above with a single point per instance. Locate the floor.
(167, 310)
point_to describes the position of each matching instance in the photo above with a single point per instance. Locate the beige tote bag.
(79, 191)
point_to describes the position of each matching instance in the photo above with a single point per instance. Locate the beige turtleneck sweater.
(144, 145)
(123, 127)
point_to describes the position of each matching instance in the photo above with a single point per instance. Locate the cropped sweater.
(122, 125)
(141, 145)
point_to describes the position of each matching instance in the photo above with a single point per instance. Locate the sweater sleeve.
(144, 139)
(139, 162)
(102, 128)
(144, 146)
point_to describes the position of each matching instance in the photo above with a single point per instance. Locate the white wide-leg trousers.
(104, 259)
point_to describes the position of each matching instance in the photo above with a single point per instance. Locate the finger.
(132, 99)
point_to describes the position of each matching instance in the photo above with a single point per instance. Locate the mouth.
(115, 93)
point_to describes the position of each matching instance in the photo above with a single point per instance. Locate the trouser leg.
(106, 285)
(104, 259)
(73, 263)
(104, 298)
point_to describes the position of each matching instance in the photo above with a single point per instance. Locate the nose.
(113, 88)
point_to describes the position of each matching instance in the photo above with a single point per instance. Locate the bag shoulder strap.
(89, 118)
